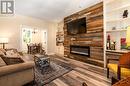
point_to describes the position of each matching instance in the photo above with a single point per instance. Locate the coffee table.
(42, 61)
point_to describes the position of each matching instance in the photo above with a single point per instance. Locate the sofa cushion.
(2, 63)
(2, 52)
(12, 53)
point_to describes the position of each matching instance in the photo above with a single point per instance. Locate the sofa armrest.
(2, 63)
(15, 68)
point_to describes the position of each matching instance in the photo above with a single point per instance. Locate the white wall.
(52, 38)
(60, 49)
(10, 27)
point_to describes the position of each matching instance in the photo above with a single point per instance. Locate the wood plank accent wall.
(94, 35)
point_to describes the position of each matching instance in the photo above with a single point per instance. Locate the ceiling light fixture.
(35, 31)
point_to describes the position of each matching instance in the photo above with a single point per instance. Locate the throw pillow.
(11, 53)
(2, 53)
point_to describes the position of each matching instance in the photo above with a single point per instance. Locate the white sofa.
(17, 74)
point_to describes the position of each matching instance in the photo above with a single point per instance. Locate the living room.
(64, 43)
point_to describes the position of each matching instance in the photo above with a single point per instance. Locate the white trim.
(104, 12)
(20, 38)
(46, 47)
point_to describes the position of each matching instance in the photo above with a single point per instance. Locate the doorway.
(26, 38)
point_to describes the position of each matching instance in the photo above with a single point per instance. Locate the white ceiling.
(51, 10)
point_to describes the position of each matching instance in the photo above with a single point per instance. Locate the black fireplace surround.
(80, 50)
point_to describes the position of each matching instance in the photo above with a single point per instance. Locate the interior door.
(44, 40)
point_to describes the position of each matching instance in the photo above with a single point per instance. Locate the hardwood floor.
(83, 72)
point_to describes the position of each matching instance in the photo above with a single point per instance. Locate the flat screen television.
(77, 27)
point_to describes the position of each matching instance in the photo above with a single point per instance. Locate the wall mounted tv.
(77, 26)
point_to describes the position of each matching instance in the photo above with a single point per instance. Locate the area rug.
(48, 74)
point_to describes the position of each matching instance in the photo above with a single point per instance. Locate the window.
(27, 36)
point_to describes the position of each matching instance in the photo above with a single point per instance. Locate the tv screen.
(76, 27)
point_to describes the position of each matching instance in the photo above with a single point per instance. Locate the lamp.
(35, 31)
(4, 41)
(128, 37)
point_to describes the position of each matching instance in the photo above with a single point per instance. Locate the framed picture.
(123, 43)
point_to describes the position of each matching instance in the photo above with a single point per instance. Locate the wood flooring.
(83, 72)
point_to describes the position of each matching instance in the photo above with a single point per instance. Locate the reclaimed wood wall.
(94, 35)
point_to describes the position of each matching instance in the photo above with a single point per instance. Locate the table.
(42, 61)
(33, 49)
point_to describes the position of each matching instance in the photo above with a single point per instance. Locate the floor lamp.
(4, 41)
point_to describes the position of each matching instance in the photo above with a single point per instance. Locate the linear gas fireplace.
(80, 50)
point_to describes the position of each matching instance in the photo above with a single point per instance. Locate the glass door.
(26, 38)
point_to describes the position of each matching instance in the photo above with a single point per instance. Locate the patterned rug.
(48, 74)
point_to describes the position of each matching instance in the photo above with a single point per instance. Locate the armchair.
(122, 69)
